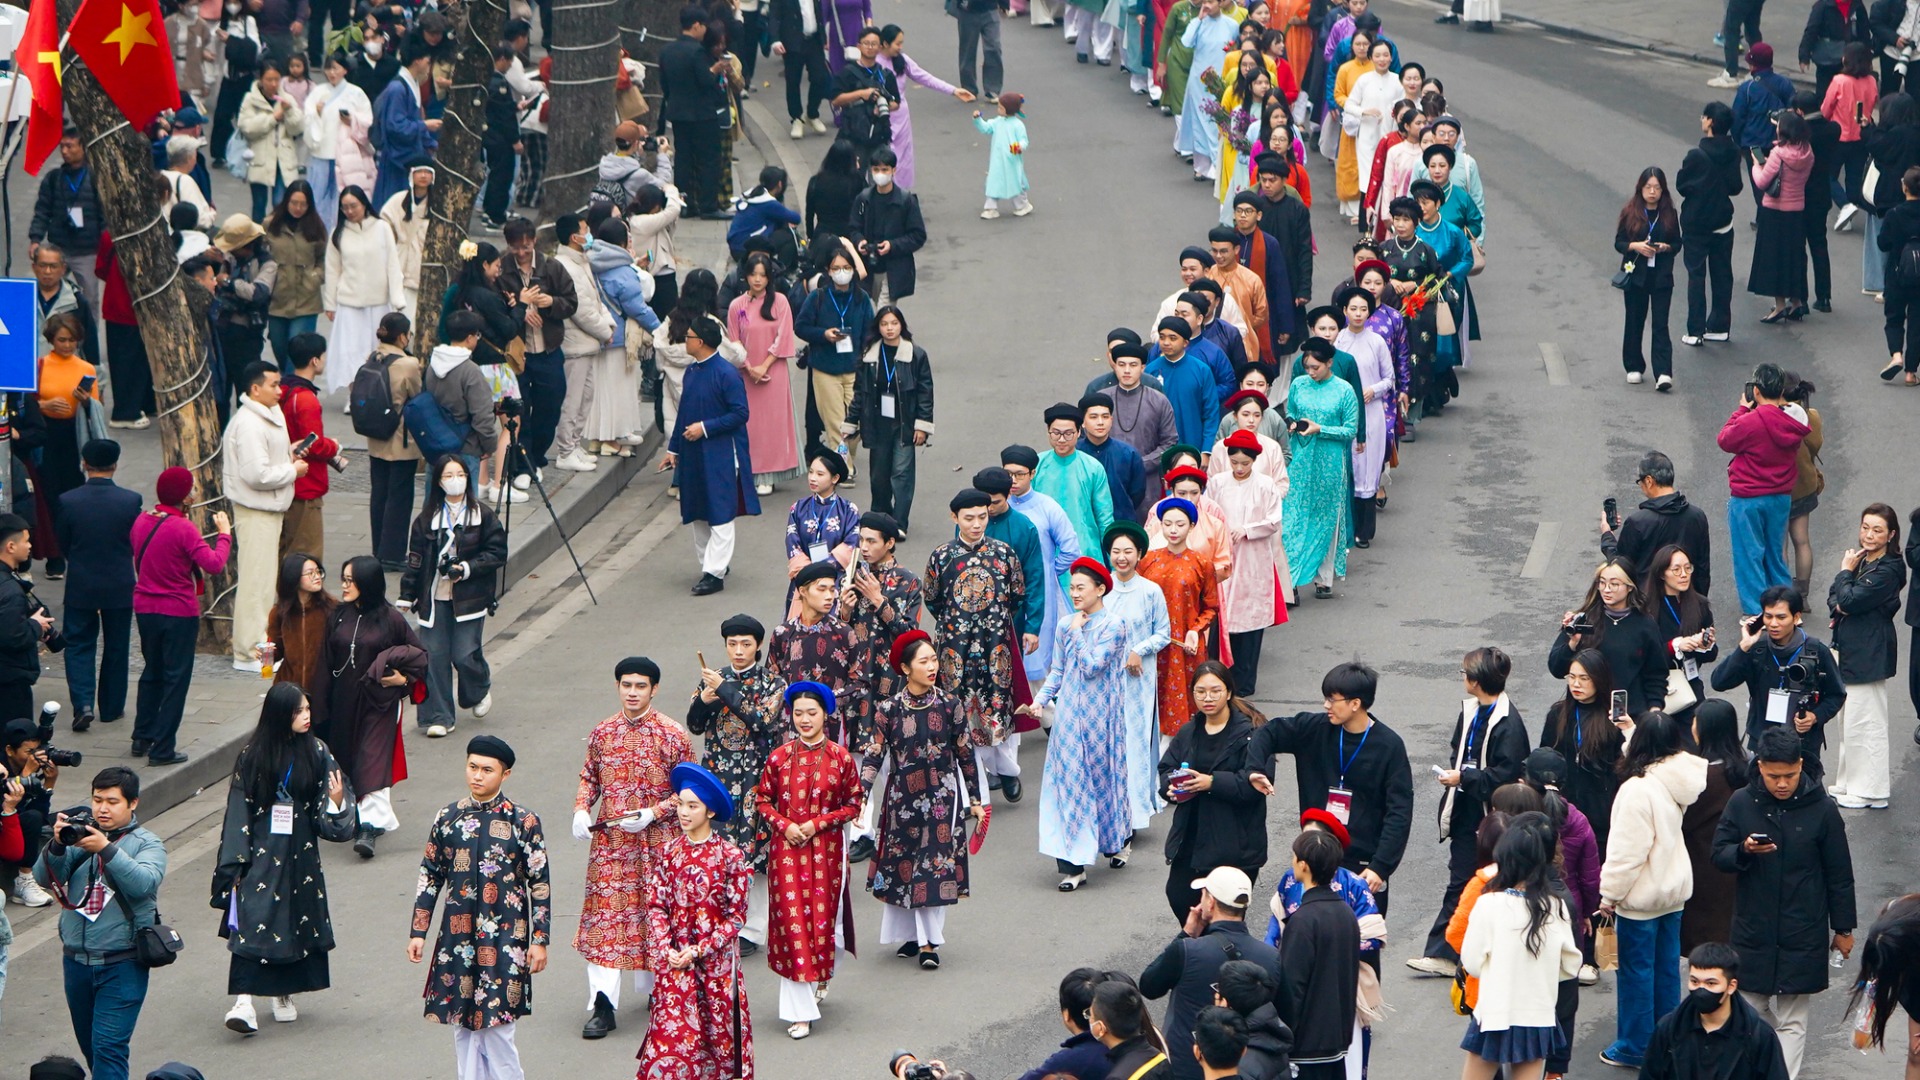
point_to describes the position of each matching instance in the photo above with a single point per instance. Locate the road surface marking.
(1544, 538)
(1556, 363)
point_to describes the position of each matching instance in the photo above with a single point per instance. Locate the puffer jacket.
(409, 232)
(276, 145)
(590, 328)
(1793, 164)
(624, 291)
(1647, 873)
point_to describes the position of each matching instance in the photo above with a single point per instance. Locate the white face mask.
(881, 178)
(233, 9)
(373, 49)
(843, 277)
(455, 487)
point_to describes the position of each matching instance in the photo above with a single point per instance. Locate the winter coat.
(1863, 603)
(1635, 654)
(1746, 1048)
(1762, 440)
(273, 882)
(1662, 520)
(1894, 151)
(1828, 32)
(912, 390)
(590, 328)
(623, 291)
(275, 144)
(363, 268)
(61, 191)
(1580, 866)
(133, 865)
(458, 384)
(480, 542)
(1268, 1043)
(404, 379)
(1517, 984)
(1185, 970)
(762, 215)
(1788, 903)
(19, 635)
(1497, 756)
(892, 216)
(1647, 874)
(256, 465)
(1709, 910)
(1224, 826)
(1707, 182)
(303, 273)
(557, 283)
(1761, 672)
(1793, 165)
(300, 405)
(1754, 105)
(820, 312)
(409, 234)
(1319, 976)
(628, 172)
(1645, 277)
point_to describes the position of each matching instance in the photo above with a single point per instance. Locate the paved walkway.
(1682, 30)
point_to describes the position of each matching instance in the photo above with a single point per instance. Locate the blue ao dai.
(1141, 607)
(1084, 805)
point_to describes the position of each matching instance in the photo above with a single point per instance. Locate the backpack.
(242, 53)
(608, 193)
(432, 429)
(1907, 271)
(370, 400)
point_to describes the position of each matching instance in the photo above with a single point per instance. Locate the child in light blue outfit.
(1006, 167)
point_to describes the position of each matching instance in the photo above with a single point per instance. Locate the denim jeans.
(1757, 526)
(890, 472)
(166, 645)
(268, 196)
(282, 329)
(452, 646)
(104, 1003)
(1648, 985)
(1873, 261)
(83, 628)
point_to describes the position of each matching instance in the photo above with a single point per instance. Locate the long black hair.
(873, 328)
(1598, 740)
(309, 225)
(1653, 592)
(277, 754)
(1523, 857)
(371, 579)
(889, 34)
(430, 507)
(340, 222)
(1633, 216)
(1716, 737)
(1655, 738)
(699, 295)
(473, 272)
(289, 597)
(1889, 960)
(764, 262)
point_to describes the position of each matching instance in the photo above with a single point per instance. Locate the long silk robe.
(806, 885)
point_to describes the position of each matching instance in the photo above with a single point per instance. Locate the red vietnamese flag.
(38, 61)
(124, 44)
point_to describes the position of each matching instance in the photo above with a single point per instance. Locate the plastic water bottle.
(1838, 960)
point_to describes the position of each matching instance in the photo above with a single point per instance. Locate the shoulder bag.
(154, 946)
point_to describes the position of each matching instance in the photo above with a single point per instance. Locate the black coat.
(1268, 1042)
(1707, 182)
(1913, 564)
(1788, 904)
(1379, 777)
(1502, 745)
(1660, 275)
(785, 26)
(1863, 603)
(692, 93)
(1128, 1057)
(1635, 655)
(912, 390)
(1319, 976)
(1826, 24)
(1290, 222)
(1759, 673)
(1884, 20)
(1227, 825)
(1900, 227)
(1662, 520)
(19, 634)
(481, 544)
(893, 216)
(95, 525)
(1744, 1048)
(1894, 151)
(1824, 136)
(1189, 966)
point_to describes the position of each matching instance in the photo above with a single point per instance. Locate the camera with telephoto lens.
(907, 1067)
(1798, 678)
(49, 715)
(79, 820)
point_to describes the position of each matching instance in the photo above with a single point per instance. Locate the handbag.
(1606, 945)
(1443, 323)
(153, 946)
(1479, 256)
(1624, 276)
(516, 353)
(1680, 693)
(1457, 993)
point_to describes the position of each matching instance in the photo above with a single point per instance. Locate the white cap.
(1227, 885)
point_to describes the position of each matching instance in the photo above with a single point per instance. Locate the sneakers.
(437, 731)
(989, 214)
(485, 706)
(1023, 210)
(241, 1017)
(1607, 1058)
(283, 1010)
(1663, 384)
(1725, 81)
(1844, 222)
(576, 460)
(140, 424)
(1589, 974)
(1717, 335)
(491, 494)
(1689, 339)
(28, 892)
(1433, 965)
(818, 125)
(797, 130)
(1634, 378)
(523, 482)
(763, 489)
(251, 667)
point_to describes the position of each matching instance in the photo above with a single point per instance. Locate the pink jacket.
(353, 161)
(1843, 94)
(1764, 442)
(165, 564)
(1793, 164)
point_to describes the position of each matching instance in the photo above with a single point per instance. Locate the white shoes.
(1433, 965)
(1589, 974)
(436, 731)
(1663, 384)
(818, 125)
(1717, 335)
(251, 667)
(283, 1010)
(491, 494)
(1725, 81)
(763, 489)
(1634, 378)
(1689, 339)
(989, 214)
(241, 1017)
(1844, 223)
(28, 892)
(576, 461)
(1023, 210)
(141, 424)
(524, 482)
(797, 131)
(484, 707)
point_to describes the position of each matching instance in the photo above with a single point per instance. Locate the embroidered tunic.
(628, 769)
(1193, 603)
(972, 594)
(920, 858)
(805, 884)
(874, 631)
(700, 1027)
(491, 860)
(825, 653)
(741, 729)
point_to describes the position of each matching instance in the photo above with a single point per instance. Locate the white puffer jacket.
(1647, 873)
(590, 328)
(275, 144)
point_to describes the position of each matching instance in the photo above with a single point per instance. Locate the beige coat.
(275, 144)
(412, 235)
(404, 377)
(303, 271)
(363, 268)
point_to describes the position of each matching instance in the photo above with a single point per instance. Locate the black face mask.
(1704, 1000)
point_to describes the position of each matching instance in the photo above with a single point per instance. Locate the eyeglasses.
(313, 571)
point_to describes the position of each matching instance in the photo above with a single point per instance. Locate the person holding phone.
(1781, 175)
(66, 400)
(1647, 236)
(1790, 676)
(1863, 600)
(1610, 619)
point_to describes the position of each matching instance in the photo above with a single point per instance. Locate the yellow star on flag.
(53, 58)
(133, 31)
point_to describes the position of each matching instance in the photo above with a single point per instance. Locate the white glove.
(634, 823)
(582, 825)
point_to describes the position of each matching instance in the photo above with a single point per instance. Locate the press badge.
(845, 345)
(74, 215)
(886, 406)
(817, 552)
(1779, 706)
(1692, 668)
(1340, 804)
(282, 819)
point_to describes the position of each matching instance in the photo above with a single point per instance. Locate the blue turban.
(1177, 503)
(705, 786)
(824, 692)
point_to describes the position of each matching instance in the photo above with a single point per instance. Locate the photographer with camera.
(1664, 517)
(25, 622)
(31, 764)
(1791, 678)
(1763, 435)
(454, 556)
(1785, 842)
(106, 871)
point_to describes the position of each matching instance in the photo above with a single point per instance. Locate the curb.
(1714, 59)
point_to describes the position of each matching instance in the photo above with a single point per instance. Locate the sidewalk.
(1684, 32)
(224, 704)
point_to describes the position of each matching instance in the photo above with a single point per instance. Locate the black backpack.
(371, 398)
(1907, 270)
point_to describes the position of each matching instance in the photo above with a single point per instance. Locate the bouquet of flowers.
(1430, 289)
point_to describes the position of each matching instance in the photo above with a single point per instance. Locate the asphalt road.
(1488, 536)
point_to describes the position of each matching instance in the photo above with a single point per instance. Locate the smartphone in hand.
(300, 448)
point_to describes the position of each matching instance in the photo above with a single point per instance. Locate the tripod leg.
(518, 454)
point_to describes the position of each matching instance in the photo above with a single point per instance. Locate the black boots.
(363, 846)
(601, 1021)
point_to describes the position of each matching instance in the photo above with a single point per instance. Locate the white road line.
(1541, 553)
(1556, 364)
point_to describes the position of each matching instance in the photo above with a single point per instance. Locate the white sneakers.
(523, 482)
(484, 707)
(1589, 974)
(818, 125)
(1634, 378)
(1717, 335)
(1689, 339)
(283, 1010)
(989, 214)
(1725, 81)
(241, 1017)
(491, 494)
(28, 892)
(1433, 965)
(1844, 223)
(140, 424)
(763, 489)
(576, 460)
(1663, 384)
(797, 131)
(436, 731)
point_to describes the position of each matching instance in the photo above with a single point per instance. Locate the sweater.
(167, 582)
(363, 269)
(1374, 768)
(1647, 873)
(1793, 164)
(1848, 97)
(1763, 440)
(1518, 986)
(256, 465)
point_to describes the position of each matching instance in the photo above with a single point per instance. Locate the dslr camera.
(907, 1067)
(79, 820)
(65, 759)
(1799, 678)
(450, 567)
(1580, 624)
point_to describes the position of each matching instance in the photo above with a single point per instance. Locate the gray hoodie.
(628, 171)
(457, 383)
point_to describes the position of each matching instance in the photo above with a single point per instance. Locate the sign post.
(19, 337)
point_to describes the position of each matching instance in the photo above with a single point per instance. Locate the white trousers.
(488, 1054)
(1787, 1014)
(1092, 34)
(1001, 759)
(863, 825)
(606, 980)
(756, 928)
(797, 1005)
(256, 536)
(926, 925)
(1044, 12)
(714, 545)
(376, 810)
(1860, 769)
(1020, 202)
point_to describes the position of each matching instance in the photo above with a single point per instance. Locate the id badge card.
(74, 216)
(817, 552)
(1340, 805)
(282, 823)
(1692, 668)
(886, 406)
(844, 345)
(1779, 706)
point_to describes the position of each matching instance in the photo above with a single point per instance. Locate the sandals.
(800, 1030)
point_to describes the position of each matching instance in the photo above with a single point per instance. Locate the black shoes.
(83, 721)
(1825, 307)
(748, 947)
(1362, 542)
(930, 960)
(910, 949)
(175, 758)
(861, 849)
(1010, 788)
(708, 585)
(602, 1020)
(140, 747)
(363, 846)
(1449, 19)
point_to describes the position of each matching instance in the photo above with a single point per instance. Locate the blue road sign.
(19, 333)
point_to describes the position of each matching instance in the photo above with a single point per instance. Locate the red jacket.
(1765, 443)
(300, 402)
(116, 303)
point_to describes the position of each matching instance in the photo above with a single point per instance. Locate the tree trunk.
(647, 26)
(174, 336)
(459, 173)
(586, 60)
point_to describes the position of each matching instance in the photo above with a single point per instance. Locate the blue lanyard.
(1780, 669)
(77, 182)
(1578, 736)
(1340, 755)
(878, 77)
(888, 363)
(1668, 600)
(839, 308)
(1473, 730)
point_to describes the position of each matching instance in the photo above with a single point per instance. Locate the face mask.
(881, 178)
(233, 9)
(1704, 1000)
(843, 277)
(373, 49)
(587, 244)
(454, 486)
